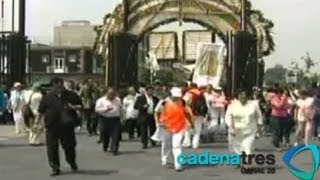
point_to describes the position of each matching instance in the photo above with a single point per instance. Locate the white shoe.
(195, 146)
(186, 145)
(179, 169)
(164, 163)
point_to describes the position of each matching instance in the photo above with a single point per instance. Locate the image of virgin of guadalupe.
(209, 63)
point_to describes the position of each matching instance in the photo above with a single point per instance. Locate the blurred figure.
(317, 114)
(280, 123)
(260, 101)
(216, 102)
(87, 94)
(131, 114)
(3, 105)
(142, 89)
(195, 99)
(16, 102)
(70, 86)
(160, 90)
(35, 121)
(305, 116)
(184, 88)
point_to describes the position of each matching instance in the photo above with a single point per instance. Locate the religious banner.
(209, 64)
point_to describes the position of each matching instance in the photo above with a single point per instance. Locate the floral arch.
(220, 16)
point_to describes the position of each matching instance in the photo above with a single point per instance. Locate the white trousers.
(242, 142)
(215, 115)
(196, 133)
(171, 143)
(18, 121)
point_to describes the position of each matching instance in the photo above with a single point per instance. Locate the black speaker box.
(123, 63)
(242, 47)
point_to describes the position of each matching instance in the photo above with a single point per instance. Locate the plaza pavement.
(18, 161)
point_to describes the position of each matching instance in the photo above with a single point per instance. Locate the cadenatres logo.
(291, 153)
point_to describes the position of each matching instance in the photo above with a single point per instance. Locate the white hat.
(17, 84)
(176, 92)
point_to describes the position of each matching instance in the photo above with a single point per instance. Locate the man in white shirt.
(109, 108)
(131, 114)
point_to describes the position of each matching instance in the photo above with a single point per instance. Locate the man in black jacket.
(146, 104)
(59, 108)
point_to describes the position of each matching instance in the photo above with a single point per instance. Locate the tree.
(305, 77)
(276, 74)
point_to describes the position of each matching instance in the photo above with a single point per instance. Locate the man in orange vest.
(174, 117)
(195, 99)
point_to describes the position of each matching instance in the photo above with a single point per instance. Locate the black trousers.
(147, 129)
(66, 137)
(110, 129)
(316, 125)
(92, 121)
(281, 127)
(131, 127)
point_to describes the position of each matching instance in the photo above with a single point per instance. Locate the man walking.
(109, 108)
(146, 104)
(16, 102)
(59, 108)
(173, 116)
(131, 114)
(87, 95)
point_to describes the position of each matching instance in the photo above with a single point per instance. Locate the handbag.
(27, 112)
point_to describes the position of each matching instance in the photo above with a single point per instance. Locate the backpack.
(199, 105)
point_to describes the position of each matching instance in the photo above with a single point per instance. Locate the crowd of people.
(177, 116)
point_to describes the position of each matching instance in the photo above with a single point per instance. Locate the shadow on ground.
(92, 172)
(213, 146)
(2, 146)
(131, 152)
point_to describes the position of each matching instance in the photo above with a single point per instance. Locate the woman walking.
(244, 119)
(216, 102)
(305, 116)
(280, 123)
(35, 121)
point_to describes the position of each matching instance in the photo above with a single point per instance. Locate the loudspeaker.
(242, 47)
(123, 63)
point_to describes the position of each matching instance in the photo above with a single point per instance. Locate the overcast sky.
(297, 25)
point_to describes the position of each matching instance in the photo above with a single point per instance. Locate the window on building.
(72, 58)
(59, 66)
(45, 59)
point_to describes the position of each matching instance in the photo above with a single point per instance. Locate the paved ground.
(19, 161)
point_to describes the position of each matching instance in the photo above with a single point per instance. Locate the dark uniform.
(60, 122)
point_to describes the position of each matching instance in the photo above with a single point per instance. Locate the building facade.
(74, 33)
(73, 63)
